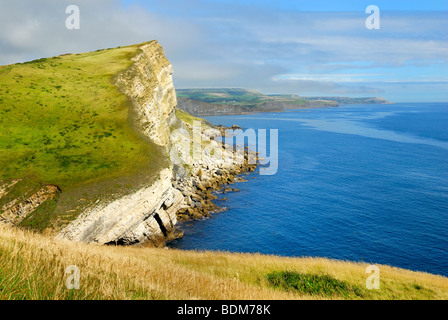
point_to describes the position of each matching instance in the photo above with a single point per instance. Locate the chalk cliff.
(149, 85)
(150, 214)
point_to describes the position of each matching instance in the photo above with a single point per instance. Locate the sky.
(310, 48)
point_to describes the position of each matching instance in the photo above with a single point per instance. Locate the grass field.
(239, 97)
(32, 266)
(64, 122)
(186, 117)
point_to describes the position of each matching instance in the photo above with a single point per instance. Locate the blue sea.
(357, 182)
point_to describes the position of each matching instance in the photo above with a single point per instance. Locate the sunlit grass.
(64, 122)
(32, 266)
(186, 117)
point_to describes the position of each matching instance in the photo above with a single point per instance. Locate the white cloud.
(211, 45)
(34, 29)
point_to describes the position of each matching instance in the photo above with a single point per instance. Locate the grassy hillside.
(33, 266)
(63, 122)
(347, 100)
(240, 97)
(186, 117)
(204, 102)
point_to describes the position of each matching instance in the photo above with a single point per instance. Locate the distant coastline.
(212, 102)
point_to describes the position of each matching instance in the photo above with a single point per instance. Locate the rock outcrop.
(147, 215)
(149, 85)
(150, 214)
(197, 177)
(18, 209)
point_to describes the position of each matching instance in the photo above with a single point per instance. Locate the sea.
(366, 183)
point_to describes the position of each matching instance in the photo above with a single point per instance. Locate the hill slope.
(65, 123)
(80, 129)
(92, 149)
(33, 266)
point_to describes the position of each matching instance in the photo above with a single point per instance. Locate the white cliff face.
(212, 156)
(149, 213)
(149, 85)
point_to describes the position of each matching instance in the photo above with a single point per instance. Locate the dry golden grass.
(32, 266)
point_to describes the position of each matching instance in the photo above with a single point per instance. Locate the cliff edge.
(108, 160)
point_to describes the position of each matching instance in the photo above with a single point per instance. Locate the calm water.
(364, 183)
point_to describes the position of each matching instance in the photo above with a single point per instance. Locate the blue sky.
(317, 5)
(318, 47)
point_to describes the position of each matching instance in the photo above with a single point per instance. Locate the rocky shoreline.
(200, 201)
(209, 177)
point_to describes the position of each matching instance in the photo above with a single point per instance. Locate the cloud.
(317, 87)
(217, 44)
(35, 29)
(329, 49)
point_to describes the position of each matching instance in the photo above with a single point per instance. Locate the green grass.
(239, 97)
(22, 189)
(311, 284)
(43, 216)
(64, 122)
(186, 117)
(32, 266)
(288, 98)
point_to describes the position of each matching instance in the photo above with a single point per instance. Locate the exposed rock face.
(149, 85)
(148, 214)
(214, 168)
(4, 187)
(17, 210)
